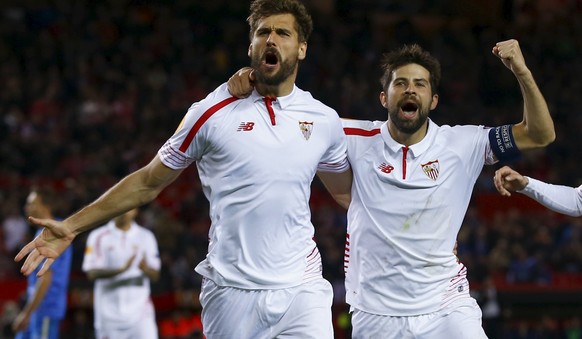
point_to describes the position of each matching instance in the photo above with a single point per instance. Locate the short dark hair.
(264, 8)
(410, 54)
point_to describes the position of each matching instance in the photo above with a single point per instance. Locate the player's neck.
(283, 89)
(123, 227)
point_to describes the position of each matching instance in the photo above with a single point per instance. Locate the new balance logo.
(384, 167)
(245, 126)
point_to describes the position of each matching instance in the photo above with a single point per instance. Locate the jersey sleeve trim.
(172, 158)
(335, 167)
(361, 132)
(205, 116)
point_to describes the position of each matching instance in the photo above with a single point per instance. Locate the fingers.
(498, 182)
(45, 267)
(241, 83)
(24, 251)
(501, 177)
(41, 222)
(506, 49)
(510, 54)
(31, 263)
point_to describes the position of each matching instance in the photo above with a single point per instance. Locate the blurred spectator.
(15, 229)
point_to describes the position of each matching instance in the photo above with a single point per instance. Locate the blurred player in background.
(46, 296)
(122, 258)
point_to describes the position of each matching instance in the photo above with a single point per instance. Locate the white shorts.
(143, 329)
(460, 320)
(302, 311)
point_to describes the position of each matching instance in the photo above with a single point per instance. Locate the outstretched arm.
(138, 188)
(537, 128)
(562, 199)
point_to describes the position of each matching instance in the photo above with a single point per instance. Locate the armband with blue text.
(503, 144)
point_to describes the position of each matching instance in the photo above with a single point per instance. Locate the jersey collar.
(416, 149)
(283, 101)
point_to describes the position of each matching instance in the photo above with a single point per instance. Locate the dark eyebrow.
(414, 80)
(278, 30)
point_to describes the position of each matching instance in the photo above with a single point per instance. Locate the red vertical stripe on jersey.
(202, 120)
(268, 101)
(404, 153)
(361, 132)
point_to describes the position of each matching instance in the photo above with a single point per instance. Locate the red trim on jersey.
(98, 242)
(361, 132)
(202, 120)
(404, 153)
(268, 103)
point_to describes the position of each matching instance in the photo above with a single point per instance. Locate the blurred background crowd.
(91, 89)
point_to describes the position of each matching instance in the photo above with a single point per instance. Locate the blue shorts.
(40, 327)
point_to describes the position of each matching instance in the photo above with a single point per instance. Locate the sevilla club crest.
(306, 128)
(431, 169)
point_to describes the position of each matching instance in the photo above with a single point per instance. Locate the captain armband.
(503, 144)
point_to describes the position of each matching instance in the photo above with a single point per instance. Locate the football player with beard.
(256, 158)
(412, 185)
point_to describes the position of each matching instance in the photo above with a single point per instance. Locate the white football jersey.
(124, 299)
(408, 204)
(256, 169)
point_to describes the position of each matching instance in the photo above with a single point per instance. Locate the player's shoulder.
(362, 127)
(144, 230)
(460, 129)
(304, 98)
(218, 98)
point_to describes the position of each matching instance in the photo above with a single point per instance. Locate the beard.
(286, 69)
(406, 125)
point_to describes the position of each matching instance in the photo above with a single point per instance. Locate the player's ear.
(434, 102)
(383, 99)
(250, 50)
(302, 50)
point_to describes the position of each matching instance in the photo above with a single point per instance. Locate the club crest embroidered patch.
(306, 128)
(431, 169)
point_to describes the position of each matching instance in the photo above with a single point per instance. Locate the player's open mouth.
(409, 108)
(271, 58)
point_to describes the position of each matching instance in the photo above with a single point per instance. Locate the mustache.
(408, 98)
(273, 51)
